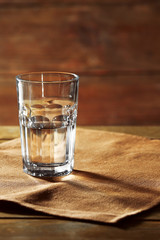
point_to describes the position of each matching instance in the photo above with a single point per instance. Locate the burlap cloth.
(116, 175)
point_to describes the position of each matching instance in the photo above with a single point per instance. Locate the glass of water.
(47, 103)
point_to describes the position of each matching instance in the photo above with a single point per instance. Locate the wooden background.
(114, 45)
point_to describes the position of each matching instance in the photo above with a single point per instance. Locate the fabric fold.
(116, 175)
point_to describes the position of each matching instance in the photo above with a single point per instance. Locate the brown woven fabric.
(115, 175)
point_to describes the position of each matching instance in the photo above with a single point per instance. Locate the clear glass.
(47, 103)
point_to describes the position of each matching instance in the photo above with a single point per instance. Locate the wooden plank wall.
(114, 45)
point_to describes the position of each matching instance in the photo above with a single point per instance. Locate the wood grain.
(60, 229)
(80, 38)
(119, 104)
(76, 2)
(113, 46)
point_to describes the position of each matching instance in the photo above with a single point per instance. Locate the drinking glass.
(47, 103)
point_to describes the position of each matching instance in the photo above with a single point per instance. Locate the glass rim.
(74, 78)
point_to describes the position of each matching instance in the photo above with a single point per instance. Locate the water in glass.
(48, 128)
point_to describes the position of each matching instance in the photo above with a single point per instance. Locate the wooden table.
(18, 222)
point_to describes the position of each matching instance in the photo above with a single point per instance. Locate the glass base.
(47, 170)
